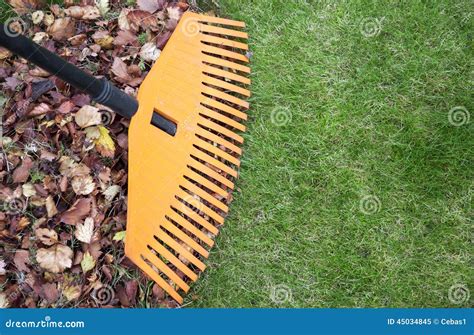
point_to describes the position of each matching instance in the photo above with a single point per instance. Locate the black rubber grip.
(100, 90)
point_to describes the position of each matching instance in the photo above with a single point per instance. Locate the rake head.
(180, 179)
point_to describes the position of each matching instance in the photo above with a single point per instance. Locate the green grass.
(369, 117)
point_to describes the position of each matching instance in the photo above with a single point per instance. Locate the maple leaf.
(55, 259)
(88, 262)
(85, 231)
(104, 144)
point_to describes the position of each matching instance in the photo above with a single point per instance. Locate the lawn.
(350, 108)
(356, 183)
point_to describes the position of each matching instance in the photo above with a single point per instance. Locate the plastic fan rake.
(184, 146)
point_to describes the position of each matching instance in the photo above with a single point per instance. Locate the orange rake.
(184, 146)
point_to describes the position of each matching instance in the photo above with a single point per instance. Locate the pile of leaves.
(63, 161)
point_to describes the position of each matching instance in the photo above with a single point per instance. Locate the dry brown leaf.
(21, 173)
(55, 259)
(78, 211)
(122, 19)
(51, 207)
(85, 231)
(87, 116)
(150, 6)
(125, 37)
(21, 260)
(83, 185)
(46, 236)
(23, 223)
(69, 168)
(28, 190)
(24, 6)
(119, 69)
(62, 28)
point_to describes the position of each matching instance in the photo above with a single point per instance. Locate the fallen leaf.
(37, 17)
(125, 37)
(85, 230)
(78, 211)
(55, 259)
(174, 13)
(49, 291)
(87, 263)
(71, 292)
(2, 267)
(104, 144)
(111, 192)
(51, 207)
(62, 28)
(3, 300)
(47, 236)
(122, 19)
(83, 185)
(119, 68)
(141, 18)
(103, 39)
(87, 116)
(119, 236)
(150, 6)
(21, 173)
(21, 260)
(69, 168)
(149, 52)
(103, 6)
(23, 223)
(28, 190)
(24, 6)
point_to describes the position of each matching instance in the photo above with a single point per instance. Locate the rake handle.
(101, 91)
